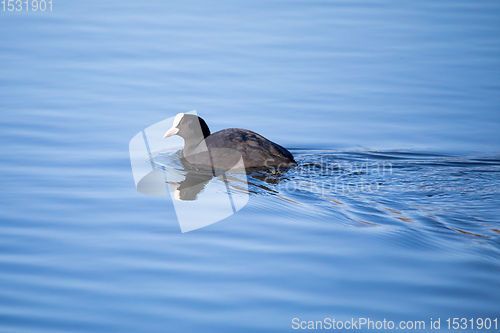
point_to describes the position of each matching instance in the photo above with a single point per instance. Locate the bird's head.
(188, 126)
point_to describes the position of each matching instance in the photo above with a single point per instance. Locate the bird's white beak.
(170, 132)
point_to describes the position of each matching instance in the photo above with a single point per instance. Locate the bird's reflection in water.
(193, 183)
(236, 180)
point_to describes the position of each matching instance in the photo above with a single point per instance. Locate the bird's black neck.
(204, 128)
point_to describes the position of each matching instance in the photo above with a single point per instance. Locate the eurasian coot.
(223, 150)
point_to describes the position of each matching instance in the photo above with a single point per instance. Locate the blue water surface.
(345, 85)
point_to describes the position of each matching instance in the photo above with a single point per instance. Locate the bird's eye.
(184, 122)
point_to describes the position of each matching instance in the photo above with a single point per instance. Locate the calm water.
(349, 87)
